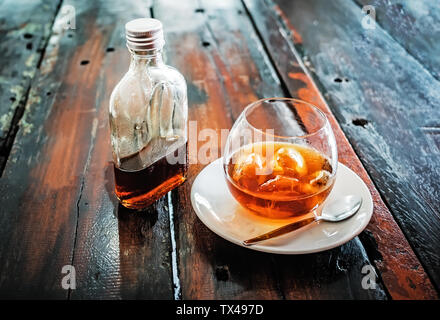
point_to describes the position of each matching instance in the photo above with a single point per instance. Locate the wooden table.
(380, 88)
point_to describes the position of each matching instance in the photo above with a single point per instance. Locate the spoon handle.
(280, 231)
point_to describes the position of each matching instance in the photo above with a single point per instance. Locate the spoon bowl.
(340, 209)
(335, 211)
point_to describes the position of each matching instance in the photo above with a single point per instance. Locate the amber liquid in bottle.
(139, 189)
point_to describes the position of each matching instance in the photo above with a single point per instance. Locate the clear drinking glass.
(280, 158)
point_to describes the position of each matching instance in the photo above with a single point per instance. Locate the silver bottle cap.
(144, 34)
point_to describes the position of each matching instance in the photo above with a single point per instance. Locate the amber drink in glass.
(280, 159)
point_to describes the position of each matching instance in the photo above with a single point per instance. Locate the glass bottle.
(148, 120)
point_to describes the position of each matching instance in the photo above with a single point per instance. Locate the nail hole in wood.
(240, 12)
(12, 99)
(29, 46)
(48, 93)
(222, 273)
(70, 35)
(110, 49)
(84, 62)
(360, 122)
(27, 35)
(346, 80)
(199, 10)
(338, 80)
(206, 44)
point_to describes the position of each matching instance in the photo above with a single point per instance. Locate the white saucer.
(220, 212)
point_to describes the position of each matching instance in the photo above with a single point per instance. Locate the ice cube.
(246, 169)
(288, 161)
(319, 178)
(327, 166)
(279, 184)
(317, 181)
(316, 161)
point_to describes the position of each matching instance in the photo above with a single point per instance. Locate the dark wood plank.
(58, 181)
(38, 191)
(415, 25)
(23, 36)
(343, 51)
(204, 259)
(119, 254)
(224, 62)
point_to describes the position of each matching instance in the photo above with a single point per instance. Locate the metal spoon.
(335, 211)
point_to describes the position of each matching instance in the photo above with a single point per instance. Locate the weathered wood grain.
(57, 186)
(38, 189)
(24, 29)
(218, 51)
(204, 269)
(344, 68)
(118, 254)
(415, 25)
(57, 204)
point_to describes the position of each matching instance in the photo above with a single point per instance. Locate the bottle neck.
(145, 59)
